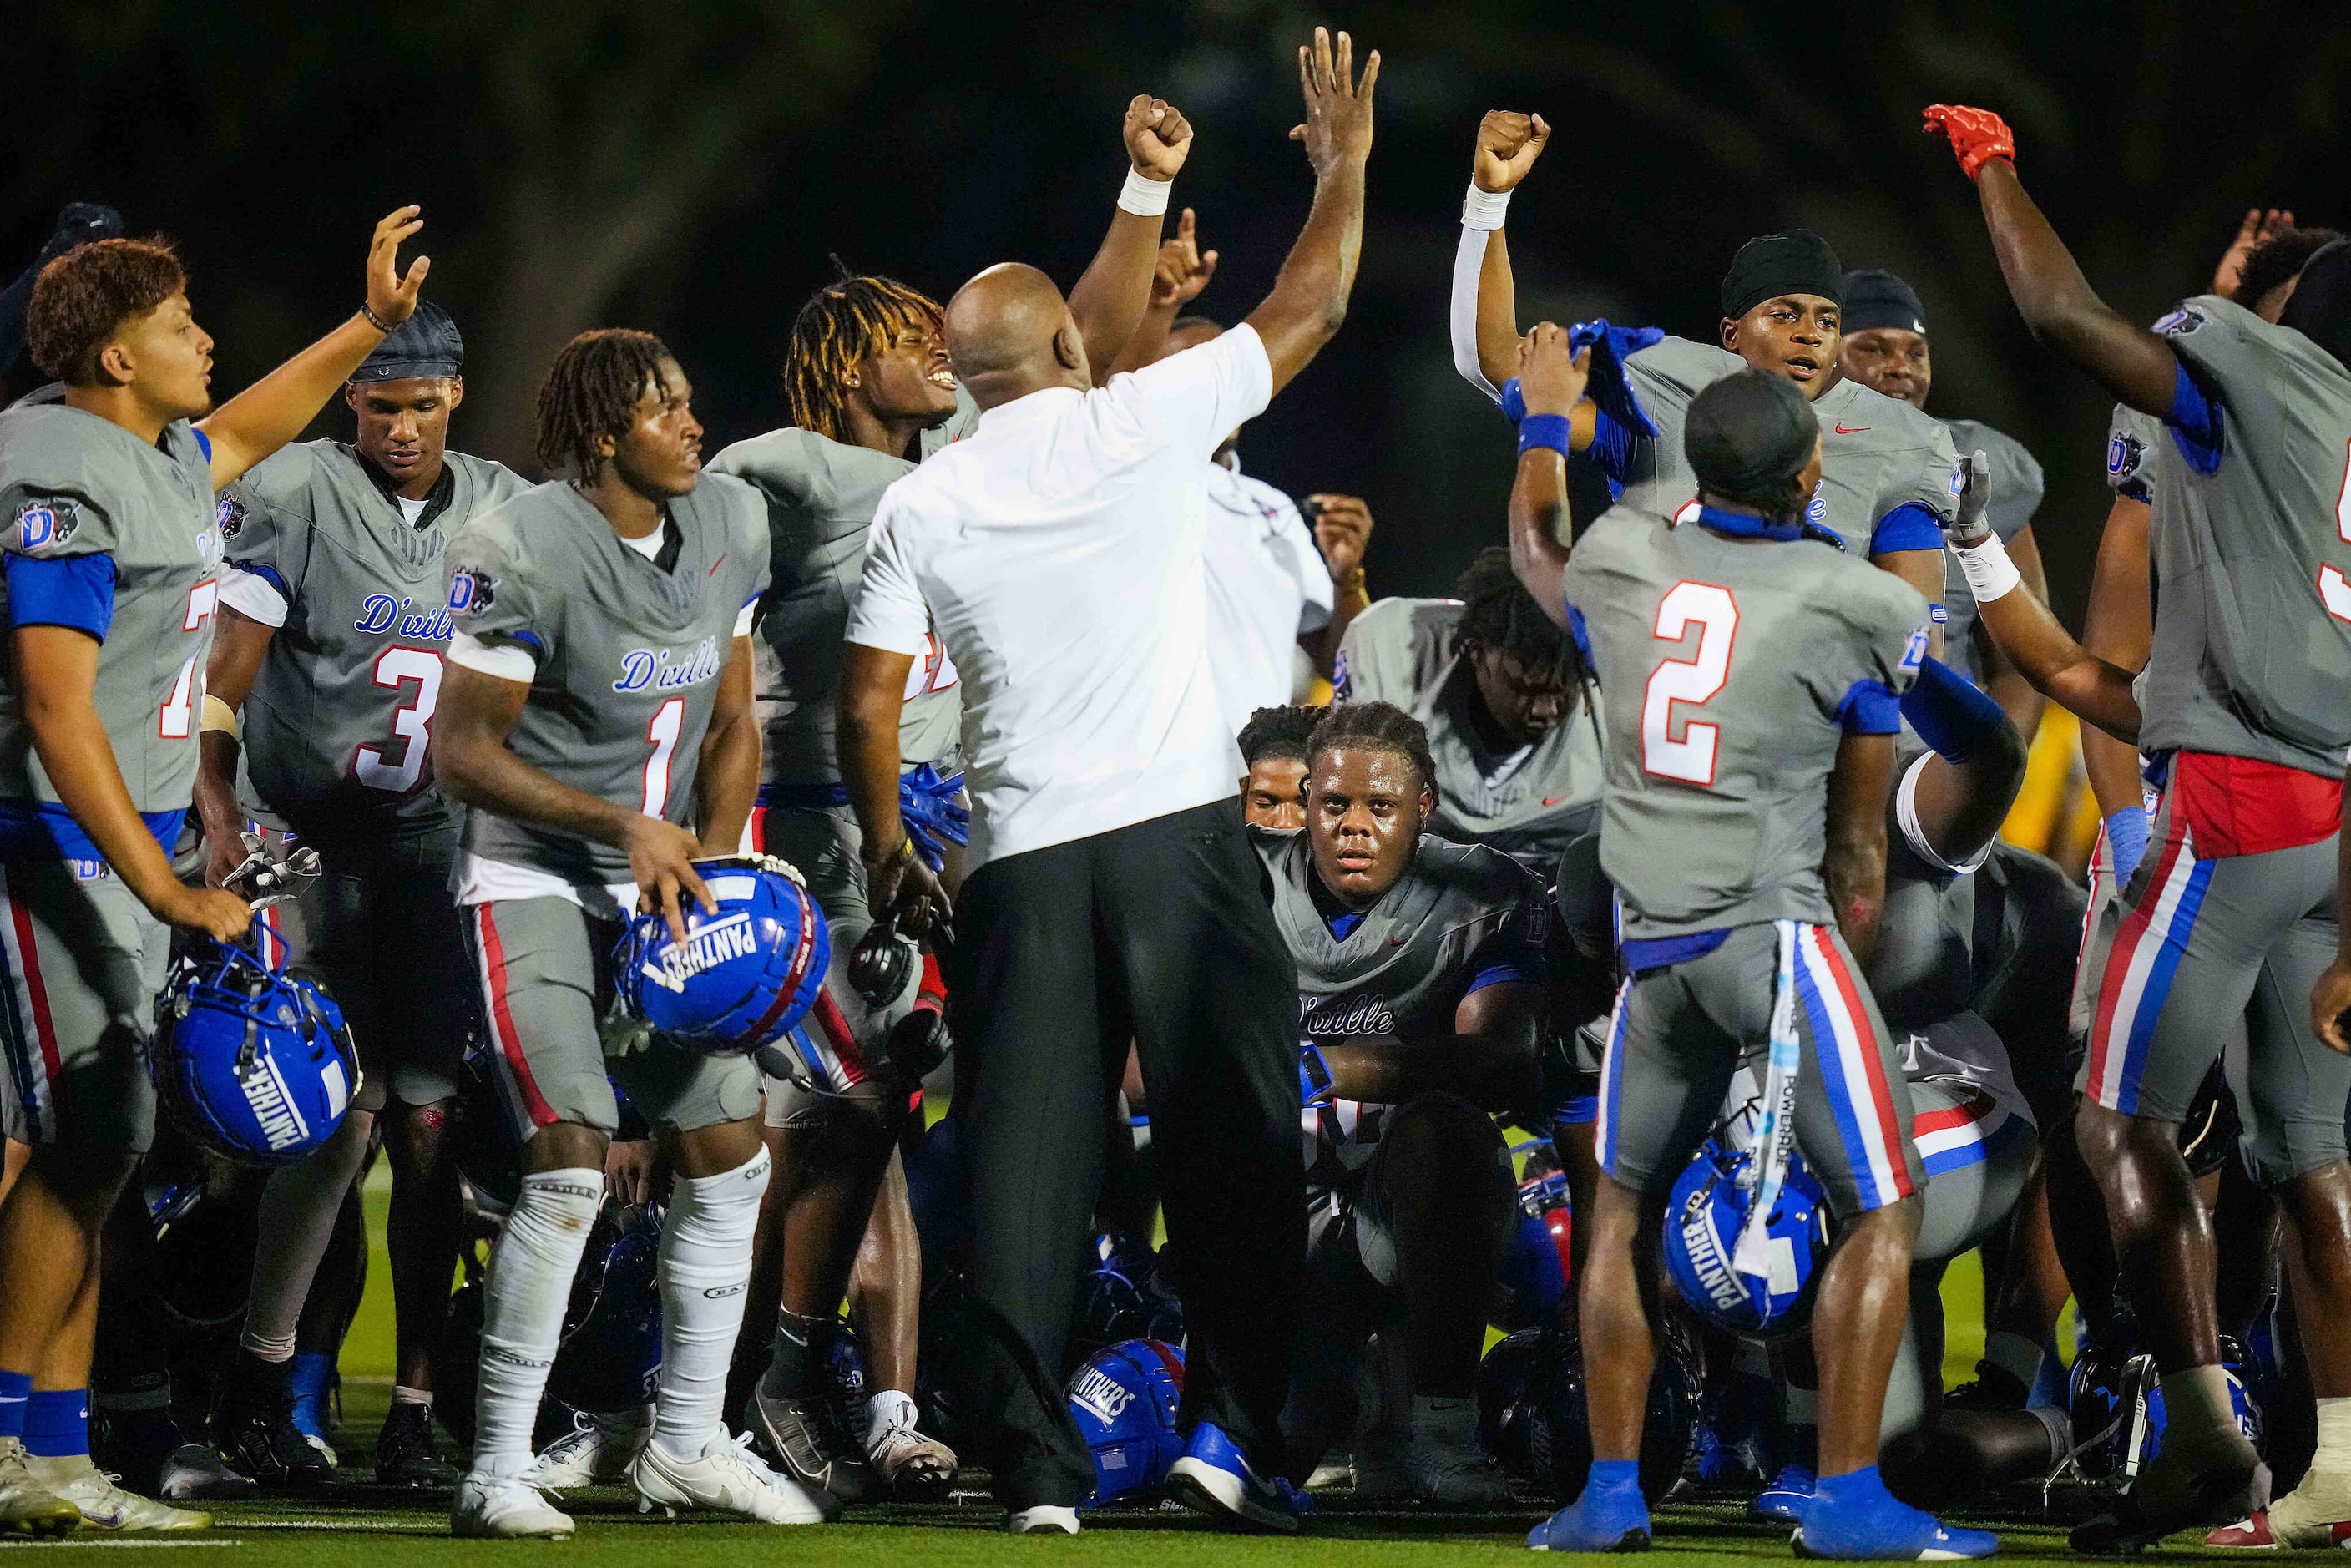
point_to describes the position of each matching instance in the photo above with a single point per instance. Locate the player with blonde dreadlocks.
(866, 378)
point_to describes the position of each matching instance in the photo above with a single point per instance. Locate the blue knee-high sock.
(16, 1393)
(57, 1423)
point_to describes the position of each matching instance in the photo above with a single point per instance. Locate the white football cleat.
(728, 1477)
(597, 1451)
(103, 1504)
(28, 1507)
(505, 1508)
(1045, 1518)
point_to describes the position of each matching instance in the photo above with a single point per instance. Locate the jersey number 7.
(2334, 589)
(1687, 758)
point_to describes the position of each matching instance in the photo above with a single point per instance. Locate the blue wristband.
(1543, 430)
(2127, 834)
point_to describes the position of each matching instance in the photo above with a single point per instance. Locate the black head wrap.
(1797, 262)
(1746, 437)
(1873, 298)
(426, 344)
(2321, 307)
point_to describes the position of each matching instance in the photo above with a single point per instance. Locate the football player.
(1883, 345)
(321, 686)
(871, 395)
(1273, 748)
(2234, 905)
(1420, 1007)
(1752, 673)
(1512, 718)
(1888, 472)
(598, 701)
(112, 566)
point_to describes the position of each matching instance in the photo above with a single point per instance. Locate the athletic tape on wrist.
(219, 715)
(1484, 209)
(1990, 573)
(1144, 196)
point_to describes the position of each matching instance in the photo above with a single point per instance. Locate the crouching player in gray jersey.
(1752, 672)
(332, 624)
(599, 700)
(1420, 1003)
(2241, 707)
(112, 555)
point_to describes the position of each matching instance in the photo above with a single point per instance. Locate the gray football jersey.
(628, 656)
(1730, 667)
(72, 483)
(335, 727)
(1461, 915)
(820, 495)
(2016, 489)
(2252, 654)
(1529, 805)
(1877, 453)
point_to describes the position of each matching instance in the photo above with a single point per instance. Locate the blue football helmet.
(1534, 1271)
(255, 1066)
(1124, 1401)
(1533, 1414)
(2117, 1404)
(1710, 1202)
(745, 975)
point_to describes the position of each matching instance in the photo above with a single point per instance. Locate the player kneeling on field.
(1420, 1007)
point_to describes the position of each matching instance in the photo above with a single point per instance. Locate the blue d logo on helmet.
(745, 975)
(1708, 1208)
(1124, 1401)
(256, 1067)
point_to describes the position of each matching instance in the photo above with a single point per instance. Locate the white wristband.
(1144, 196)
(1484, 209)
(1990, 573)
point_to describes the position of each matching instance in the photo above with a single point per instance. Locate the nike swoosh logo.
(1856, 430)
(1555, 800)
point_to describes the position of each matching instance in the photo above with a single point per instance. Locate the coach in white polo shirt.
(1056, 550)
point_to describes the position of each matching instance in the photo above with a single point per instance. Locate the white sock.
(705, 1260)
(2333, 1435)
(1444, 1423)
(522, 1314)
(2015, 1354)
(892, 1410)
(299, 1208)
(401, 1396)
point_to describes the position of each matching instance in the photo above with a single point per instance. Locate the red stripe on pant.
(43, 1028)
(843, 1041)
(2116, 973)
(1873, 1060)
(502, 1024)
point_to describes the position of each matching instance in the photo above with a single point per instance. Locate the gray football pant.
(83, 961)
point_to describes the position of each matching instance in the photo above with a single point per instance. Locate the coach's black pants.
(1156, 934)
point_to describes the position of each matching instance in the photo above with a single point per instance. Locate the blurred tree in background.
(688, 167)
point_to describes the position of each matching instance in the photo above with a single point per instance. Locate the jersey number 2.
(2334, 589)
(176, 721)
(1688, 758)
(411, 722)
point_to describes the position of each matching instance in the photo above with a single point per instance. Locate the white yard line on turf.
(120, 1541)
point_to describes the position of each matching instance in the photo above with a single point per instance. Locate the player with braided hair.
(1513, 720)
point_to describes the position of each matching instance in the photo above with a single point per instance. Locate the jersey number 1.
(1688, 758)
(669, 721)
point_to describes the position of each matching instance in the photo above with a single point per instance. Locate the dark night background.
(687, 166)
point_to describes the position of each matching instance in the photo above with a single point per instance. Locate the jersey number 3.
(411, 722)
(1687, 758)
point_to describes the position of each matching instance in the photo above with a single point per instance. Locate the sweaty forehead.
(1355, 765)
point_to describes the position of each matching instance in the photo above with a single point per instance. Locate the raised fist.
(1978, 135)
(1183, 268)
(1342, 526)
(1968, 525)
(1508, 143)
(1158, 137)
(1550, 378)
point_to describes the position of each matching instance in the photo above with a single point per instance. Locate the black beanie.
(1873, 298)
(427, 344)
(2321, 307)
(1797, 262)
(1747, 436)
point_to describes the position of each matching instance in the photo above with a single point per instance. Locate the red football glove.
(1978, 135)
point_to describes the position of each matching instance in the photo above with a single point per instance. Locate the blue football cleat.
(1784, 1498)
(1214, 1477)
(1611, 1515)
(1853, 1518)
